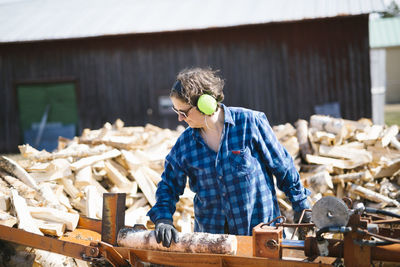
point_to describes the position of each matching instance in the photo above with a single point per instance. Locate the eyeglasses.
(181, 112)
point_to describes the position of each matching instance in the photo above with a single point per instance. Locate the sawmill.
(85, 203)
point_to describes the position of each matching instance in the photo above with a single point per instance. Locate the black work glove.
(306, 217)
(302, 231)
(166, 232)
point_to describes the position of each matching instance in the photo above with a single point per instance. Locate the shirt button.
(220, 177)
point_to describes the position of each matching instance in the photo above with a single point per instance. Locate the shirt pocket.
(242, 162)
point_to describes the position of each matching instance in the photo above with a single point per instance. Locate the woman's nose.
(181, 117)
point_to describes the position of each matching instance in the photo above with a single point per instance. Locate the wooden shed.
(119, 60)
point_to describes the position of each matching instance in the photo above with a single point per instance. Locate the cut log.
(46, 190)
(319, 182)
(25, 221)
(388, 169)
(302, 137)
(146, 185)
(83, 177)
(24, 190)
(57, 169)
(372, 195)
(395, 143)
(55, 215)
(94, 201)
(364, 176)
(7, 220)
(188, 243)
(292, 146)
(116, 176)
(5, 202)
(345, 153)
(50, 228)
(15, 170)
(92, 159)
(283, 130)
(338, 163)
(387, 136)
(69, 187)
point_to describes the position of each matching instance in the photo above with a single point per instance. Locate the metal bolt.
(93, 251)
(271, 244)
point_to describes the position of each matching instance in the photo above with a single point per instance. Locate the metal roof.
(384, 32)
(32, 20)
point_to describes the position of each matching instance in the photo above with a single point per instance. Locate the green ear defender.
(207, 104)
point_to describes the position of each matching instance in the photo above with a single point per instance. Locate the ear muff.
(207, 104)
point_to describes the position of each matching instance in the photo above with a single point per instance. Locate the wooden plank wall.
(283, 69)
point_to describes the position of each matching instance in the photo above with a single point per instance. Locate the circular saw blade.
(330, 212)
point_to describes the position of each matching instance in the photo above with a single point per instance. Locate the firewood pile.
(345, 158)
(46, 192)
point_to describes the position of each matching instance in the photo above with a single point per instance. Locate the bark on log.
(14, 169)
(189, 242)
(302, 137)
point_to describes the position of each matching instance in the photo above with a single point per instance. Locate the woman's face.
(190, 114)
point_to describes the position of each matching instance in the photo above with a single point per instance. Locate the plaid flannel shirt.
(235, 184)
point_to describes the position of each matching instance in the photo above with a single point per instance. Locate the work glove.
(166, 232)
(302, 231)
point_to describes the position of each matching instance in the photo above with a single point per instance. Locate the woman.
(230, 155)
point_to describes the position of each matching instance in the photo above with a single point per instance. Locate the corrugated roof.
(384, 32)
(63, 19)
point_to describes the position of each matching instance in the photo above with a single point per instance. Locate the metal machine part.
(330, 212)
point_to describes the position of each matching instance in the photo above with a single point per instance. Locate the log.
(372, 195)
(117, 176)
(338, 163)
(57, 169)
(75, 151)
(69, 187)
(7, 220)
(5, 202)
(346, 153)
(50, 228)
(25, 221)
(387, 136)
(83, 176)
(364, 176)
(24, 190)
(94, 201)
(14, 169)
(92, 159)
(188, 242)
(319, 182)
(284, 130)
(395, 143)
(146, 185)
(50, 197)
(55, 215)
(302, 137)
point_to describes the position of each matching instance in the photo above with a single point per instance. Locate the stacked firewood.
(46, 192)
(345, 158)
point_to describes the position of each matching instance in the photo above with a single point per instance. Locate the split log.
(388, 169)
(283, 130)
(7, 220)
(338, 163)
(5, 202)
(395, 143)
(83, 177)
(92, 159)
(50, 197)
(50, 228)
(55, 215)
(292, 146)
(69, 187)
(57, 169)
(14, 169)
(146, 185)
(372, 195)
(346, 153)
(25, 221)
(94, 201)
(319, 182)
(188, 243)
(388, 134)
(117, 176)
(364, 176)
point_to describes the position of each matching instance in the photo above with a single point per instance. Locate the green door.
(47, 111)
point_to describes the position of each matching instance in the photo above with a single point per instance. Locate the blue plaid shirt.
(236, 183)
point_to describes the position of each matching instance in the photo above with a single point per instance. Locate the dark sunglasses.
(181, 112)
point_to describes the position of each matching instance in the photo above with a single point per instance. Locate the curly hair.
(195, 82)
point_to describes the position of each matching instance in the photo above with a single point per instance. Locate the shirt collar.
(228, 115)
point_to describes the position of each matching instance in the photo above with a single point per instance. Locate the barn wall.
(283, 69)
